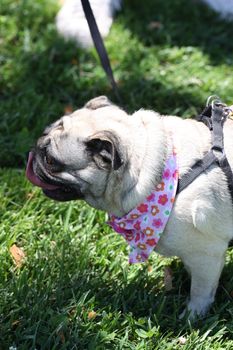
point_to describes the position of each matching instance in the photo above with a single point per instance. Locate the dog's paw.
(193, 312)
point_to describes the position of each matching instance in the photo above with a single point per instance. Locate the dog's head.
(99, 154)
(79, 155)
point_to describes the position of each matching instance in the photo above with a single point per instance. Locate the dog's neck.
(147, 155)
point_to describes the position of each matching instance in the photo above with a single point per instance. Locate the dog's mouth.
(51, 188)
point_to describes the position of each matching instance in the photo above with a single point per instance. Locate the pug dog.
(113, 161)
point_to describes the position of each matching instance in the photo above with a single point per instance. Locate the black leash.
(214, 117)
(99, 45)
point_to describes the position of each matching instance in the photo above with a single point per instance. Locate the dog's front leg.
(205, 271)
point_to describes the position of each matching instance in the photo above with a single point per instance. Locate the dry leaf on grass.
(91, 315)
(150, 268)
(17, 254)
(15, 323)
(168, 278)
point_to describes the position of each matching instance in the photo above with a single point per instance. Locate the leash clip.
(213, 100)
(229, 111)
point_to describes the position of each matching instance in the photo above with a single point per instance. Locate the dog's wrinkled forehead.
(68, 123)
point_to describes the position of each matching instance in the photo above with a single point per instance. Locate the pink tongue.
(35, 180)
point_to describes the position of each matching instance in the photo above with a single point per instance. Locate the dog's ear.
(98, 102)
(105, 149)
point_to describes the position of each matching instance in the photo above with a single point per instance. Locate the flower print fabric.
(143, 226)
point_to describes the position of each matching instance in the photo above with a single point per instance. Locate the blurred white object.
(71, 21)
(224, 7)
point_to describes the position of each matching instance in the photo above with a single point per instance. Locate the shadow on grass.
(180, 23)
(49, 81)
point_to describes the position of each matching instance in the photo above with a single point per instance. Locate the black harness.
(214, 116)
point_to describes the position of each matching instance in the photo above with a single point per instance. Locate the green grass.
(74, 263)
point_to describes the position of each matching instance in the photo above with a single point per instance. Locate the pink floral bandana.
(143, 226)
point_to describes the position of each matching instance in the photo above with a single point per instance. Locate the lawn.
(72, 287)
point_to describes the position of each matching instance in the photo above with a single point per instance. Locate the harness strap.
(214, 117)
(199, 167)
(99, 45)
(218, 117)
